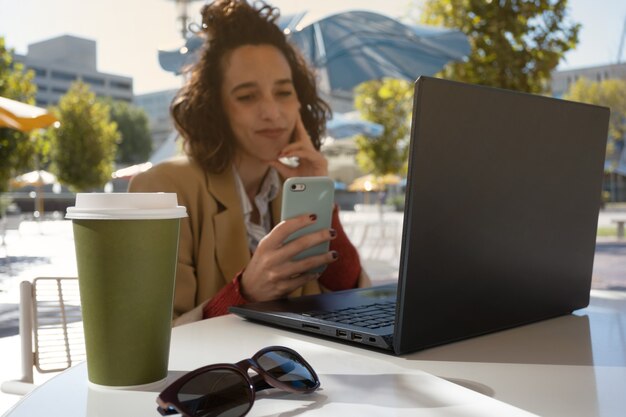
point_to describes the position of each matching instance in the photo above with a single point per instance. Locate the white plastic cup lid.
(125, 206)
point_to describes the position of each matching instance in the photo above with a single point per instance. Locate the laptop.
(501, 208)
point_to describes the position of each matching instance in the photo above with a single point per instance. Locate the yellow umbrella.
(23, 117)
(372, 182)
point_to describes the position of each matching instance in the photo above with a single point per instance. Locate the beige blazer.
(213, 246)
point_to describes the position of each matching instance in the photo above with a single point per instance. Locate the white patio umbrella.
(37, 179)
(34, 178)
(347, 125)
(131, 171)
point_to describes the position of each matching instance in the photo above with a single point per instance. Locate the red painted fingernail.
(333, 232)
(335, 254)
(313, 217)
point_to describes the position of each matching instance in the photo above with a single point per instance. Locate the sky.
(129, 33)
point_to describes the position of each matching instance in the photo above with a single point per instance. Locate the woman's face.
(260, 100)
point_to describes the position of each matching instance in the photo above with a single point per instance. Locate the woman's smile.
(272, 133)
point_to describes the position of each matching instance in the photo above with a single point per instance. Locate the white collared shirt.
(268, 192)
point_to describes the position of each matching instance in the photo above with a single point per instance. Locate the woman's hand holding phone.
(272, 272)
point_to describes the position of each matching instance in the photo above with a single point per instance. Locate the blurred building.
(157, 108)
(615, 164)
(561, 80)
(60, 61)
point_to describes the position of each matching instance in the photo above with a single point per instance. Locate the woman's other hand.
(271, 273)
(311, 161)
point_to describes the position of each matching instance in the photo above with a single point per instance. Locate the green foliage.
(515, 44)
(388, 103)
(5, 202)
(609, 93)
(15, 147)
(15, 82)
(607, 231)
(132, 122)
(41, 148)
(397, 201)
(84, 146)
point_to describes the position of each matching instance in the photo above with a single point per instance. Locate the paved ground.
(46, 249)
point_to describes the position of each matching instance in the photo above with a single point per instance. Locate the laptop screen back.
(502, 200)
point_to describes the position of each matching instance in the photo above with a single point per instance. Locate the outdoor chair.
(51, 330)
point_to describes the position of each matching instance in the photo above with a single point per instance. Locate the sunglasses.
(227, 390)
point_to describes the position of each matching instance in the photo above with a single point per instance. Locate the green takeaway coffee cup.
(126, 251)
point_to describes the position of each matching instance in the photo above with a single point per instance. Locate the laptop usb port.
(357, 337)
(342, 333)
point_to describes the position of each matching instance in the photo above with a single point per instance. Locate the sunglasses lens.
(287, 368)
(219, 392)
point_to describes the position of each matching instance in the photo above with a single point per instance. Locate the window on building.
(120, 85)
(42, 88)
(41, 102)
(58, 90)
(39, 72)
(62, 75)
(93, 80)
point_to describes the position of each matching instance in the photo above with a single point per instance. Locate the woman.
(250, 102)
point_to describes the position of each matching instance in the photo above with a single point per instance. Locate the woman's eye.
(285, 93)
(245, 97)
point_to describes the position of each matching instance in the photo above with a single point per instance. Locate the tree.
(609, 93)
(387, 102)
(84, 146)
(132, 122)
(515, 44)
(15, 147)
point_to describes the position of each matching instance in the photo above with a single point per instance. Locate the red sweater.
(342, 274)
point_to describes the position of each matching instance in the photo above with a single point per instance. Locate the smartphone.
(309, 195)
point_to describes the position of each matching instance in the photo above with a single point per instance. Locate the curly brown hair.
(197, 108)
